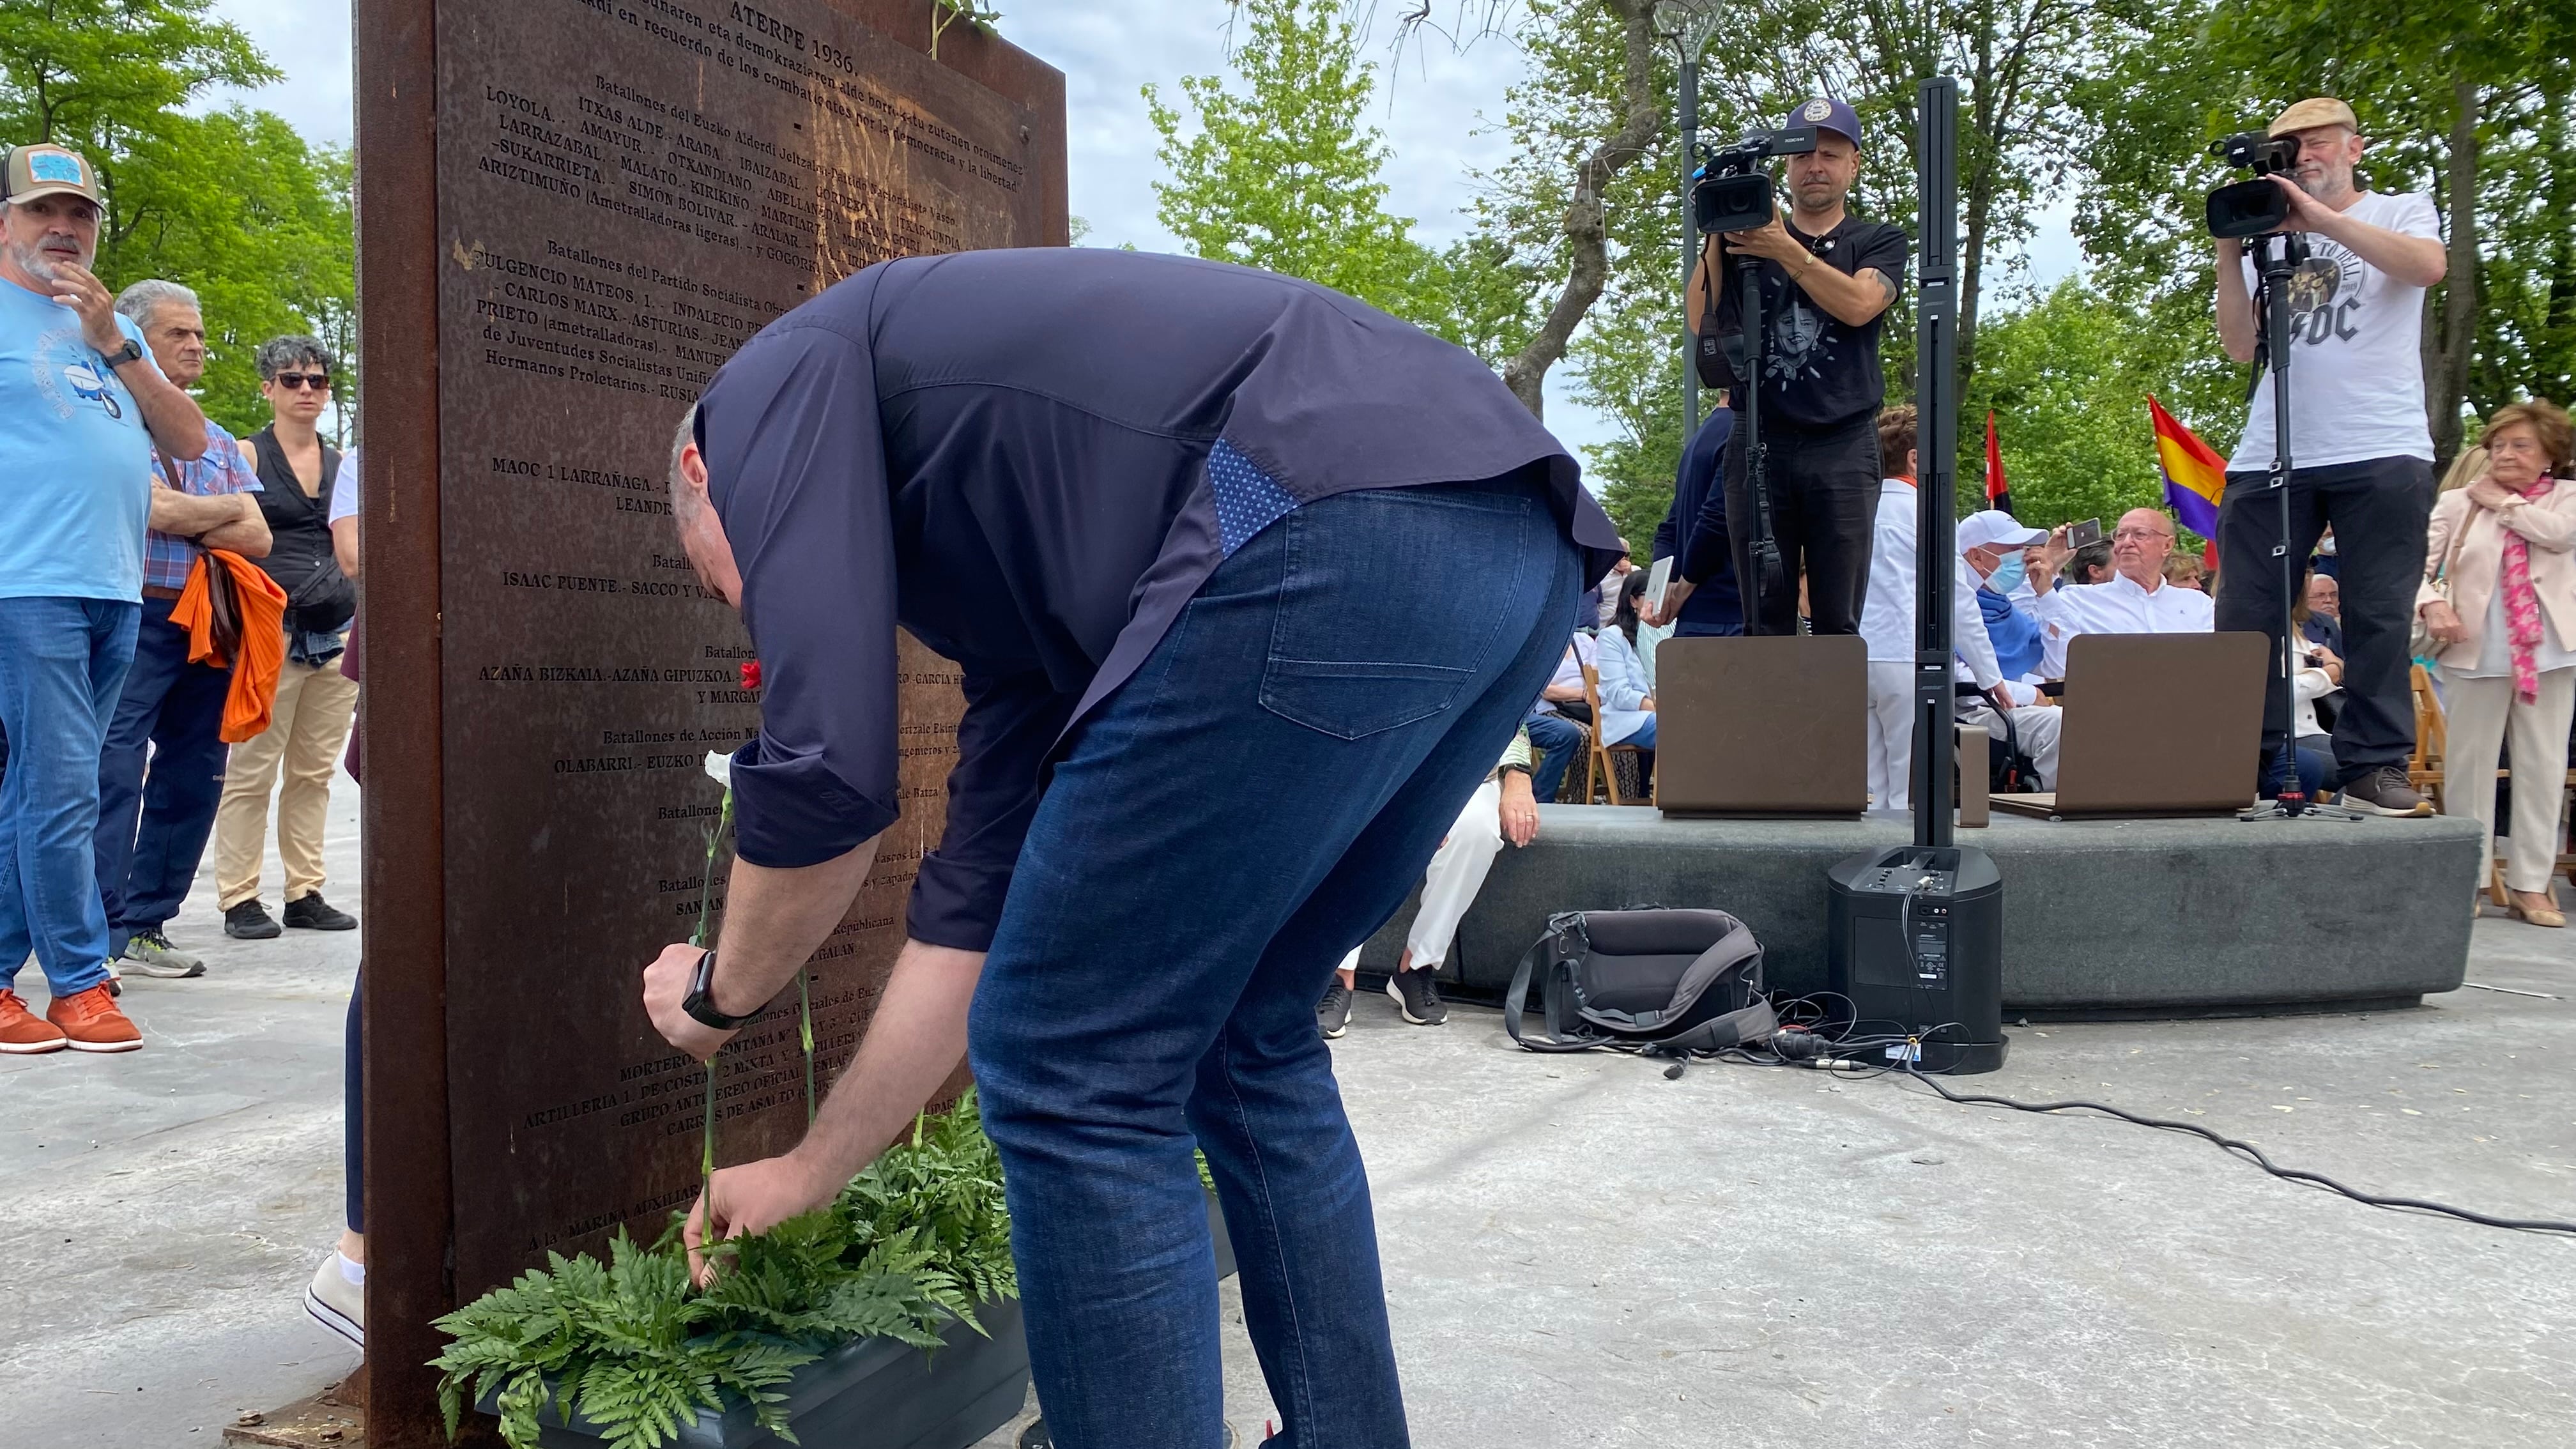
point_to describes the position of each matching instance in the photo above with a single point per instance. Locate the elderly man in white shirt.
(2136, 599)
(1887, 621)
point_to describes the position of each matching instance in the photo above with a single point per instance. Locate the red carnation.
(751, 674)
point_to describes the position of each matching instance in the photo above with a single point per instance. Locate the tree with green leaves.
(1277, 171)
(232, 203)
(2067, 375)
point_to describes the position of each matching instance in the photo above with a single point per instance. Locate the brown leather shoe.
(22, 1033)
(91, 1022)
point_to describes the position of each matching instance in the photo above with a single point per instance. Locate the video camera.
(2257, 207)
(1730, 191)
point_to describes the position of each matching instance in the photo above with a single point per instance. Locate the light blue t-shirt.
(75, 461)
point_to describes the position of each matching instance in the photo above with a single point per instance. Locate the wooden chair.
(1602, 758)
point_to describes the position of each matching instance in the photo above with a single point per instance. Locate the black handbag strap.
(1516, 1001)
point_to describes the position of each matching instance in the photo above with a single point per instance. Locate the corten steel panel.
(573, 211)
(626, 193)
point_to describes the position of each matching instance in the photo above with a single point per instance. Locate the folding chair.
(1603, 758)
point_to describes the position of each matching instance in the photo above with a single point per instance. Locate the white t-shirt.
(2356, 370)
(344, 488)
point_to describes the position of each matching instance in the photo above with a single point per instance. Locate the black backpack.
(1662, 982)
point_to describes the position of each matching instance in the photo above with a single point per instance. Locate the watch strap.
(700, 1003)
(130, 352)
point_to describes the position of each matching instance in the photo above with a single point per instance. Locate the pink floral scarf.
(2522, 606)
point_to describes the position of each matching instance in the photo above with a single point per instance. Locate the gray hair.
(280, 353)
(684, 502)
(150, 295)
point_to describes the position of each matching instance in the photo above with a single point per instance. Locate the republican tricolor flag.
(2195, 477)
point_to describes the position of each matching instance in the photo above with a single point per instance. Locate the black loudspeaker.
(1915, 941)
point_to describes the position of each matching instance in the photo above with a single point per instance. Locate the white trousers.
(1891, 734)
(2483, 712)
(1457, 872)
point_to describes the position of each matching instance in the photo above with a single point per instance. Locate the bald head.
(2140, 544)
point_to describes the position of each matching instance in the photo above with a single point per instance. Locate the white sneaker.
(337, 1303)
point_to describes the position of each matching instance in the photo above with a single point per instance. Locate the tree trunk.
(2553, 361)
(2446, 375)
(1586, 233)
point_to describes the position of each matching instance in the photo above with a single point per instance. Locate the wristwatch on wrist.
(700, 1003)
(123, 355)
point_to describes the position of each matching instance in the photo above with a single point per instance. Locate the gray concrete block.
(2158, 916)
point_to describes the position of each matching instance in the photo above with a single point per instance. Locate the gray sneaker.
(151, 954)
(2384, 791)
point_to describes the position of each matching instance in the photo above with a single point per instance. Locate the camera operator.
(1826, 280)
(2362, 455)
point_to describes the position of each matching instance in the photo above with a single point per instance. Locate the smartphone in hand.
(2085, 534)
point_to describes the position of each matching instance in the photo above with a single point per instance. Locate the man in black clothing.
(1826, 280)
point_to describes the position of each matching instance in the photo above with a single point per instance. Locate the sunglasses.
(298, 381)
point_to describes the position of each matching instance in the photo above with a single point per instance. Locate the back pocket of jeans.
(1368, 636)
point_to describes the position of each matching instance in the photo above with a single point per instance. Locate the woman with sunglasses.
(315, 702)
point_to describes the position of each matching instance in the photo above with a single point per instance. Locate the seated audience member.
(1693, 535)
(1627, 702)
(2183, 570)
(2506, 631)
(2320, 674)
(1996, 547)
(1602, 599)
(2134, 600)
(2324, 601)
(1551, 725)
(2319, 634)
(1501, 809)
(1887, 619)
(2090, 564)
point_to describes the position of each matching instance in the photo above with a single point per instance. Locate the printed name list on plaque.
(628, 189)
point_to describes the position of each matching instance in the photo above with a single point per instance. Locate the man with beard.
(81, 408)
(2361, 453)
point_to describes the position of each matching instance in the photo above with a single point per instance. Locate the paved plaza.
(1578, 1250)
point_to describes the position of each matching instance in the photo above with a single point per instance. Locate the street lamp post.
(1689, 24)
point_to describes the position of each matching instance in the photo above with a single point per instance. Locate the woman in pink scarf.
(2506, 638)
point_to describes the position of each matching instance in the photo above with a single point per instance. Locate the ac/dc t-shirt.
(2357, 374)
(1817, 371)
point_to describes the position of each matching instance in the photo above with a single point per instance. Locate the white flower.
(720, 768)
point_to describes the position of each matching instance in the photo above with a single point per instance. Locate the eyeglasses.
(2137, 535)
(298, 381)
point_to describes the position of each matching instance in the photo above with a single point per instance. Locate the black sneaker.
(1333, 1013)
(312, 913)
(249, 921)
(2384, 791)
(1417, 994)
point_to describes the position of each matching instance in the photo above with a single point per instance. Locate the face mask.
(2007, 575)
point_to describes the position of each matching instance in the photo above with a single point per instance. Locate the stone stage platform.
(2105, 918)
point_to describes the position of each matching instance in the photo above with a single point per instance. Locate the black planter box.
(875, 1393)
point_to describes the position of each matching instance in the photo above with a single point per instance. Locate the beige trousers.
(315, 704)
(2483, 712)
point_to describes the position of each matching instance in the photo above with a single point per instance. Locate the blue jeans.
(62, 663)
(1256, 801)
(1560, 741)
(176, 709)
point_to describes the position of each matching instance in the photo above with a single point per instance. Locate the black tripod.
(1770, 575)
(2276, 256)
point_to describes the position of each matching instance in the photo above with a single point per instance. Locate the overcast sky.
(1431, 106)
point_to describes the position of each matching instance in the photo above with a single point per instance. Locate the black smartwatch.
(700, 1003)
(123, 355)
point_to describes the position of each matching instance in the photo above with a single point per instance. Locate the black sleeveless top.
(299, 528)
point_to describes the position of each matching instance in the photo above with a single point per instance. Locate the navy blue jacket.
(1693, 533)
(1032, 460)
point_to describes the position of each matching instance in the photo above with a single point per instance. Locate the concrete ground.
(1578, 1251)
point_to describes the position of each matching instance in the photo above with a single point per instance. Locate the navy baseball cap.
(1826, 113)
